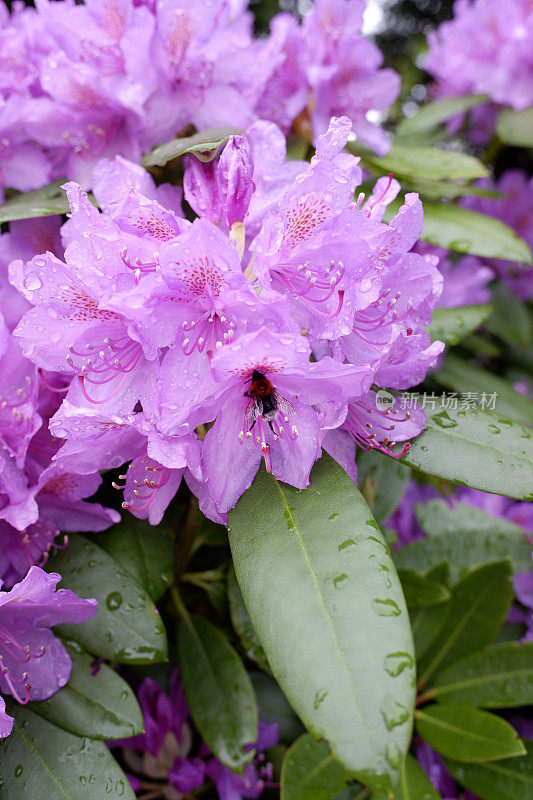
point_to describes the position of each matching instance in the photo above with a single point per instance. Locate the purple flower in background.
(325, 68)
(34, 664)
(515, 208)
(169, 752)
(485, 49)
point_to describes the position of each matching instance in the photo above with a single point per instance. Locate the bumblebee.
(264, 401)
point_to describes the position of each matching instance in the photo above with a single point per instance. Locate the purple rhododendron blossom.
(515, 208)
(168, 749)
(34, 663)
(485, 49)
(267, 319)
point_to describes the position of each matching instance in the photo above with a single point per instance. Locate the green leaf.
(510, 320)
(466, 537)
(475, 447)
(96, 702)
(218, 690)
(425, 163)
(321, 589)
(309, 771)
(242, 624)
(204, 145)
(509, 779)
(476, 611)
(450, 325)
(382, 482)
(426, 624)
(432, 114)
(456, 228)
(127, 627)
(460, 377)
(274, 707)
(516, 127)
(51, 199)
(41, 760)
(498, 677)
(419, 590)
(145, 551)
(414, 783)
(467, 734)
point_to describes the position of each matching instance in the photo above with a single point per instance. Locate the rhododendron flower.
(166, 751)
(34, 663)
(515, 208)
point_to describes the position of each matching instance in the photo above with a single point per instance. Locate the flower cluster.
(515, 208)
(167, 761)
(82, 81)
(256, 331)
(485, 49)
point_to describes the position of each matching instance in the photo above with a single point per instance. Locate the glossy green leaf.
(476, 611)
(127, 627)
(382, 482)
(242, 624)
(466, 537)
(45, 202)
(426, 163)
(432, 114)
(218, 690)
(40, 760)
(204, 145)
(511, 320)
(419, 590)
(509, 779)
(516, 127)
(309, 771)
(498, 677)
(145, 551)
(320, 586)
(476, 448)
(456, 228)
(414, 783)
(274, 706)
(96, 702)
(450, 325)
(426, 624)
(467, 734)
(459, 376)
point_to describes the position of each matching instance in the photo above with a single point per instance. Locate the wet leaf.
(127, 627)
(414, 783)
(450, 325)
(42, 760)
(426, 163)
(145, 551)
(456, 228)
(309, 771)
(459, 376)
(508, 779)
(45, 202)
(476, 612)
(319, 584)
(96, 702)
(466, 537)
(204, 145)
(498, 677)
(218, 690)
(476, 448)
(467, 734)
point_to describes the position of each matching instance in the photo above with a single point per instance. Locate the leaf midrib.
(328, 617)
